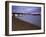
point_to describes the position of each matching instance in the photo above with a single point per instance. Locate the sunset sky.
(26, 9)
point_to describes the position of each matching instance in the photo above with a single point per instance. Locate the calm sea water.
(34, 19)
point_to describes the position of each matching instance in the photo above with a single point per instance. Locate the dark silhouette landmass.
(18, 24)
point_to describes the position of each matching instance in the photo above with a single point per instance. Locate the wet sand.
(22, 25)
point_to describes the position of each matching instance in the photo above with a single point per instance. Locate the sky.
(26, 9)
